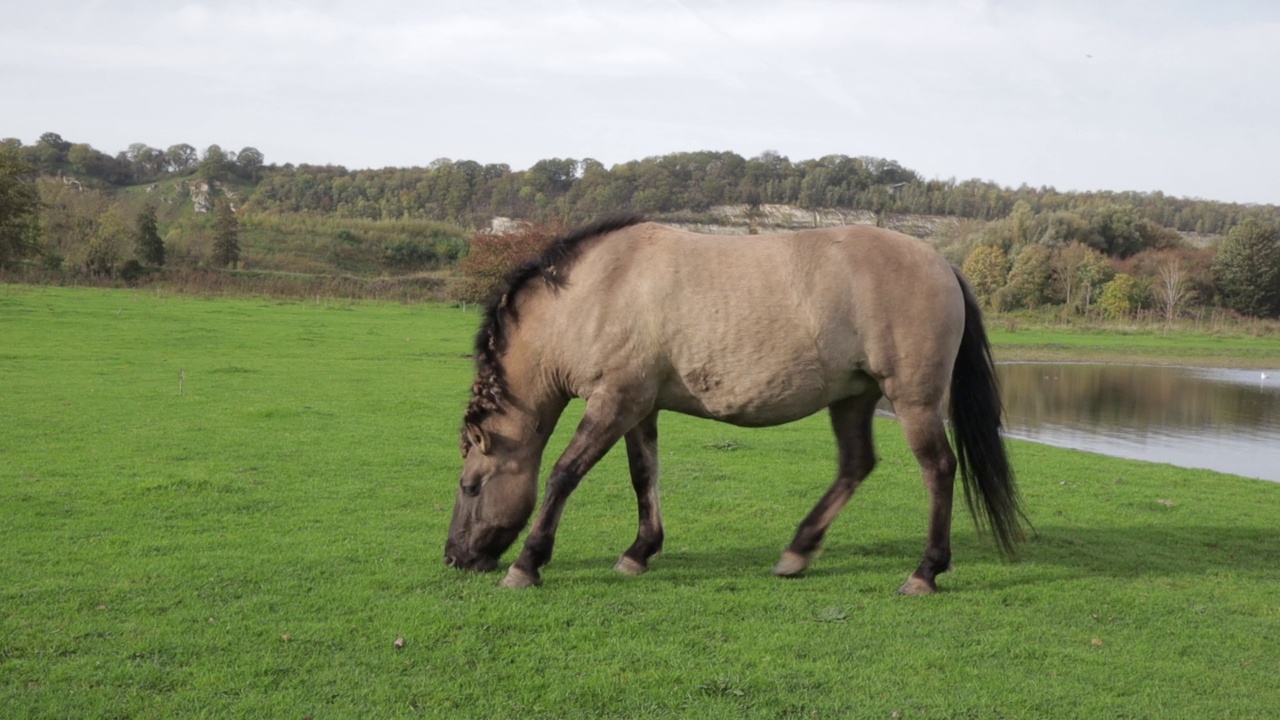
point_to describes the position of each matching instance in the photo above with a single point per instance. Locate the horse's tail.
(976, 432)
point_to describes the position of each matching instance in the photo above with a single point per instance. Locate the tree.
(1080, 271)
(1028, 283)
(1122, 296)
(180, 157)
(986, 267)
(1063, 228)
(1115, 231)
(213, 166)
(226, 234)
(250, 162)
(1021, 222)
(1172, 289)
(147, 162)
(85, 160)
(19, 208)
(51, 151)
(103, 249)
(146, 236)
(1246, 269)
(68, 221)
(1158, 237)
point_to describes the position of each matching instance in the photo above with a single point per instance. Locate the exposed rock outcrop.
(203, 192)
(741, 219)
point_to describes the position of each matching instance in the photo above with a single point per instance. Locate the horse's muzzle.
(456, 557)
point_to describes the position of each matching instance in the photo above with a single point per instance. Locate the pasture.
(1248, 345)
(237, 508)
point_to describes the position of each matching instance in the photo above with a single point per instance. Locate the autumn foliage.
(494, 255)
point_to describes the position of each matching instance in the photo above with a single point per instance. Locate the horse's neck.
(533, 404)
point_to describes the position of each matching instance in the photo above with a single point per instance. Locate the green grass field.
(237, 507)
(1149, 344)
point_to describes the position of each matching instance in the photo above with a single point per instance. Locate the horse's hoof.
(629, 566)
(790, 564)
(517, 579)
(917, 586)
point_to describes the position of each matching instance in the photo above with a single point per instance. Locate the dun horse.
(635, 317)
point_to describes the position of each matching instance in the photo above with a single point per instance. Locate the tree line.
(468, 193)
(690, 183)
(140, 163)
(1023, 247)
(1119, 269)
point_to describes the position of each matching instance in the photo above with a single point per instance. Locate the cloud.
(1130, 94)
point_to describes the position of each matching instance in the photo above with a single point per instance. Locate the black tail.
(975, 431)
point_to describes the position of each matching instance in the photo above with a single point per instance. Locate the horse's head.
(495, 499)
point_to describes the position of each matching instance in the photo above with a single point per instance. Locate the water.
(1225, 420)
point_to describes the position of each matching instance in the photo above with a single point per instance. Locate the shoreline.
(1024, 354)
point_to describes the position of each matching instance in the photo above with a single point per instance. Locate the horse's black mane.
(552, 267)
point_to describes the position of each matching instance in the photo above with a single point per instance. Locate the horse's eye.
(471, 490)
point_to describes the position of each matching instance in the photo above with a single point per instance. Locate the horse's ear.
(478, 438)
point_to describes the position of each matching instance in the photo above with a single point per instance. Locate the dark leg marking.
(603, 424)
(927, 437)
(642, 458)
(851, 422)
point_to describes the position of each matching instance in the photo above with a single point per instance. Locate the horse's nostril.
(450, 561)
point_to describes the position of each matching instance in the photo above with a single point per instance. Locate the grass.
(426, 286)
(1148, 344)
(256, 543)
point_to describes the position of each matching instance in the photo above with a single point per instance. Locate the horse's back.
(759, 329)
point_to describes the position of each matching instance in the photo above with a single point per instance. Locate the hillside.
(330, 220)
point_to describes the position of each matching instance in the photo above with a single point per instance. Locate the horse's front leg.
(642, 458)
(605, 421)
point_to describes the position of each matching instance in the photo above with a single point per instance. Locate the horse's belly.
(754, 398)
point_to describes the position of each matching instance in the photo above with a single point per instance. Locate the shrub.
(494, 255)
(410, 254)
(131, 271)
(1123, 296)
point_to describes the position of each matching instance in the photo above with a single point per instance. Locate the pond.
(1224, 420)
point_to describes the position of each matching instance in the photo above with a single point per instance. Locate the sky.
(1178, 97)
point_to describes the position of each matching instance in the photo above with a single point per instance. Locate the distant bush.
(1123, 296)
(494, 255)
(410, 254)
(131, 271)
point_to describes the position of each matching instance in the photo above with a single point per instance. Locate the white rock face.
(202, 192)
(499, 224)
(200, 196)
(740, 219)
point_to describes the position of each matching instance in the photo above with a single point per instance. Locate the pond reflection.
(1225, 420)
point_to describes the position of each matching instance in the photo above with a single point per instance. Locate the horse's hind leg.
(642, 457)
(927, 437)
(851, 421)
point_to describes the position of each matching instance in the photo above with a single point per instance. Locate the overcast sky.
(1182, 97)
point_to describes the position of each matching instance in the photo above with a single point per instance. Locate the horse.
(636, 317)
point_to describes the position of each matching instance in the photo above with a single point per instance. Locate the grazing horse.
(636, 317)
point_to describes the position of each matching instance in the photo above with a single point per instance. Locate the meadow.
(236, 507)
(1241, 344)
